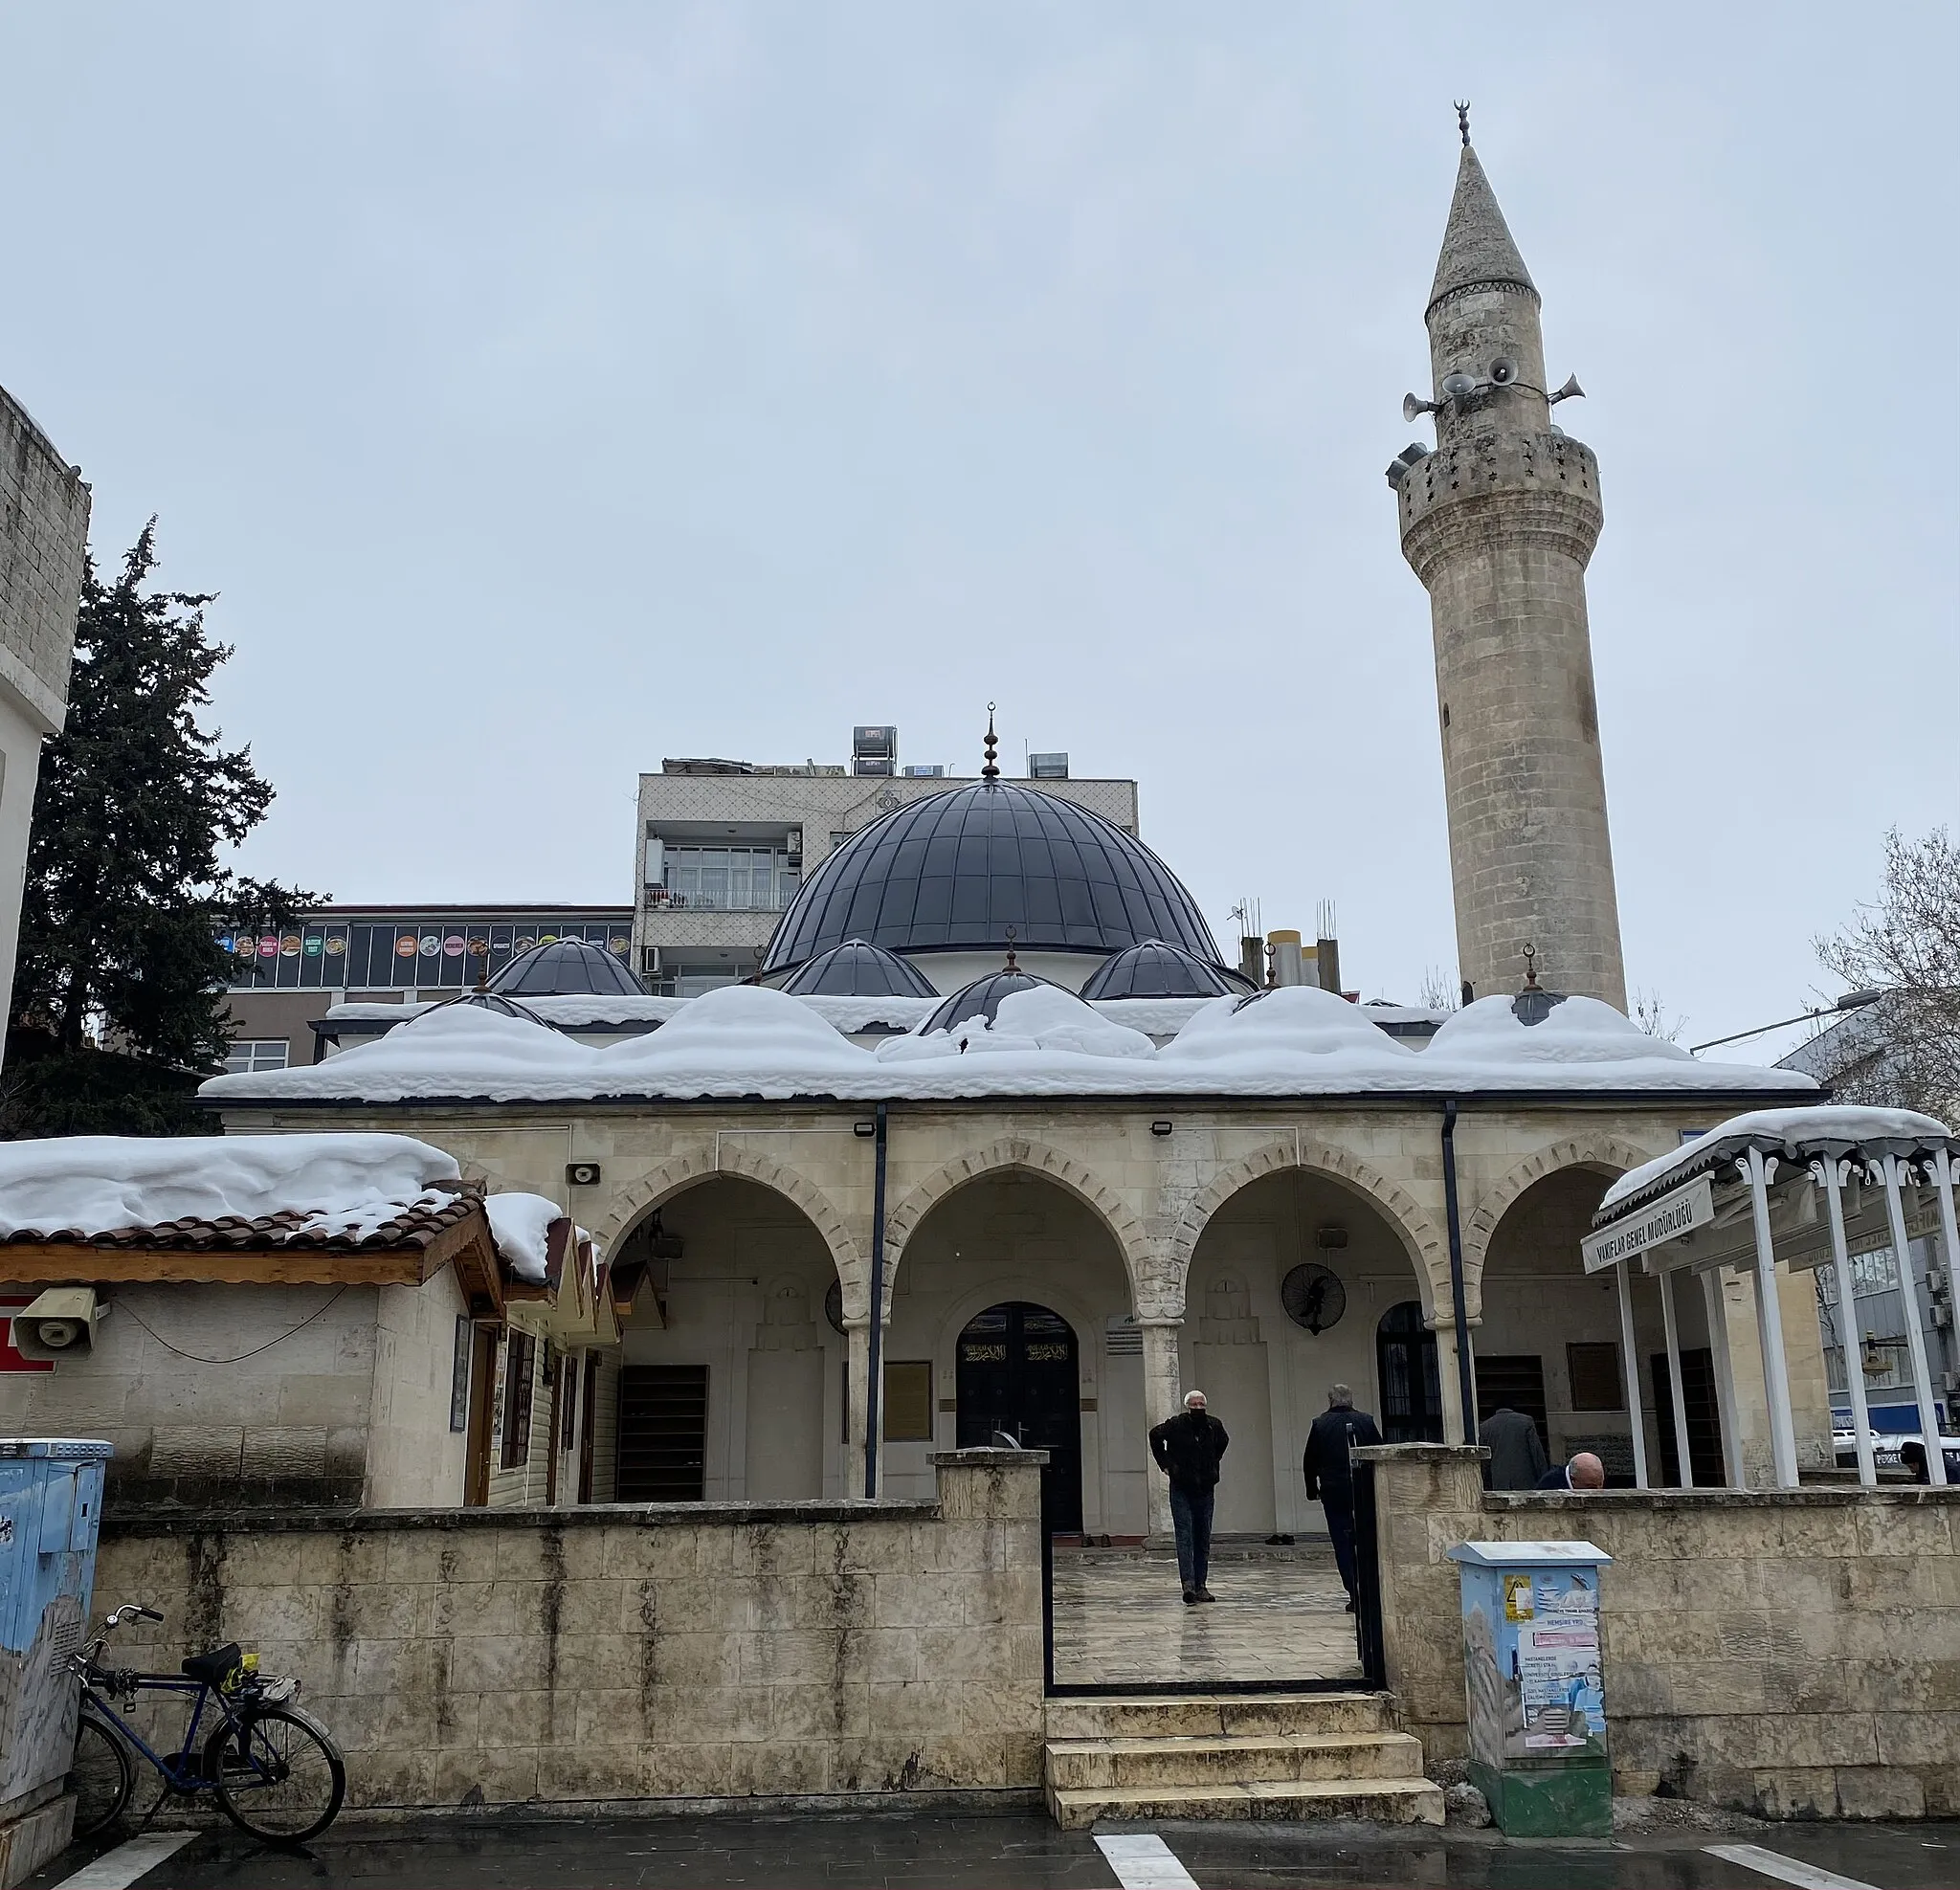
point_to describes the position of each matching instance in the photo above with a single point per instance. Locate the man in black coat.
(1188, 1448)
(1331, 1476)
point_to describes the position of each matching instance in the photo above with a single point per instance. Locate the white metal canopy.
(1810, 1187)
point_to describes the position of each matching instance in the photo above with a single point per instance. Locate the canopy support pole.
(1632, 1360)
(1676, 1391)
(1770, 1330)
(1832, 1172)
(1915, 1338)
(1714, 1298)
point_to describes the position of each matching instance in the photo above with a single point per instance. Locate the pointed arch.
(635, 1202)
(1036, 1158)
(1609, 1154)
(1427, 1249)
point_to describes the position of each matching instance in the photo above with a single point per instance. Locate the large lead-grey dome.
(952, 872)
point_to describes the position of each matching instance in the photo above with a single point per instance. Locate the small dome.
(1157, 970)
(857, 969)
(979, 999)
(566, 968)
(496, 1003)
(954, 870)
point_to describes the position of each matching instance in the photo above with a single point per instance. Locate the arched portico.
(1013, 1233)
(727, 1341)
(1285, 1268)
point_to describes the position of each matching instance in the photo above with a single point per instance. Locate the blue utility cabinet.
(50, 1508)
(1535, 1687)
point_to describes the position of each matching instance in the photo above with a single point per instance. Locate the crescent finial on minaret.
(1463, 120)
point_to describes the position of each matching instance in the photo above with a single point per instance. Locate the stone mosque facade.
(1052, 1203)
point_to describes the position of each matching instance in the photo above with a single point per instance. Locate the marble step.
(1274, 1758)
(1172, 1716)
(1378, 1801)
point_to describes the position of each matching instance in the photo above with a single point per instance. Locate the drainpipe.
(1466, 1383)
(873, 1387)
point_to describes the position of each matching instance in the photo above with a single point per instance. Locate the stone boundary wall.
(1791, 1652)
(616, 1654)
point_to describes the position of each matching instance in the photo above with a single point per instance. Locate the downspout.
(1466, 1383)
(873, 1370)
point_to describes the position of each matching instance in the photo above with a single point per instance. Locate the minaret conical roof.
(1477, 244)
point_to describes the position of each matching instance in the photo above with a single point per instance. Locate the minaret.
(1499, 522)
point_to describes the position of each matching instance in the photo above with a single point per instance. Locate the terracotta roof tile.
(281, 1233)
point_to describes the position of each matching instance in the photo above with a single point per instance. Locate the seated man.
(1584, 1471)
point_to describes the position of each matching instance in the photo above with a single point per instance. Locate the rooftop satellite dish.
(1504, 370)
(1413, 407)
(1571, 390)
(1456, 385)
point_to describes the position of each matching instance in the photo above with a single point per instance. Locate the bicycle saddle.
(212, 1668)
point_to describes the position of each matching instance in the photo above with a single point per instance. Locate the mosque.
(996, 1142)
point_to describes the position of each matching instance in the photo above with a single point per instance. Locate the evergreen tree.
(120, 981)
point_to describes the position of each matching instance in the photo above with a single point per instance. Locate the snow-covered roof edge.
(1795, 1135)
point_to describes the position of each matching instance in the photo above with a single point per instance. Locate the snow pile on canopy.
(748, 1040)
(100, 1184)
(1799, 1132)
(1041, 1018)
(521, 1225)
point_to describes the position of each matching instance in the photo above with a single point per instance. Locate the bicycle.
(276, 1769)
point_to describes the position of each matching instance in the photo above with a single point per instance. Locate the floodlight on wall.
(60, 1324)
(1159, 1127)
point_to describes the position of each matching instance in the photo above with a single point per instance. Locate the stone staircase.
(1234, 1755)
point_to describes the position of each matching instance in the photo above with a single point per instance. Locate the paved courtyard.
(1119, 1617)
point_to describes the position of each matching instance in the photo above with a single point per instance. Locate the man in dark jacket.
(1517, 1453)
(1331, 1476)
(1188, 1448)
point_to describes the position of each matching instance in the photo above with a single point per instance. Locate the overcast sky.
(551, 389)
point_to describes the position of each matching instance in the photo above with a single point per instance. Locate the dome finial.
(1530, 968)
(1010, 965)
(1463, 120)
(991, 772)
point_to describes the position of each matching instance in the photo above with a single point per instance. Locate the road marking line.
(1792, 1870)
(1142, 1860)
(120, 1868)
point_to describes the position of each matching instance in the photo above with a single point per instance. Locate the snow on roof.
(98, 1184)
(1796, 1134)
(748, 1040)
(1043, 1018)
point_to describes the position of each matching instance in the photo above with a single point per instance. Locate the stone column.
(1443, 1325)
(1163, 1392)
(858, 1381)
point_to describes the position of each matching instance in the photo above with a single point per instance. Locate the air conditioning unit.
(650, 961)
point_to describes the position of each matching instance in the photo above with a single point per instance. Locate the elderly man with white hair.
(1188, 1448)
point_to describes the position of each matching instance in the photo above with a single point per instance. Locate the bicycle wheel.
(279, 1774)
(100, 1776)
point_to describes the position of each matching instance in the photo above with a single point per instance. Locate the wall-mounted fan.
(1313, 1297)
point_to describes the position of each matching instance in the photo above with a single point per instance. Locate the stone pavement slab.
(1123, 1618)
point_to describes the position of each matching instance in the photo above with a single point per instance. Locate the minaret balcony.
(1541, 487)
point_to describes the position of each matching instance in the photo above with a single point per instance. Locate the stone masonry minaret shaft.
(1499, 522)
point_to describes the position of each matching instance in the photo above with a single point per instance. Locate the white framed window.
(248, 1056)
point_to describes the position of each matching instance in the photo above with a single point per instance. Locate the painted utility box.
(50, 1508)
(1536, 1686)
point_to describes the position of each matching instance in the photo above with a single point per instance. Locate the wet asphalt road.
(948, 1852)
